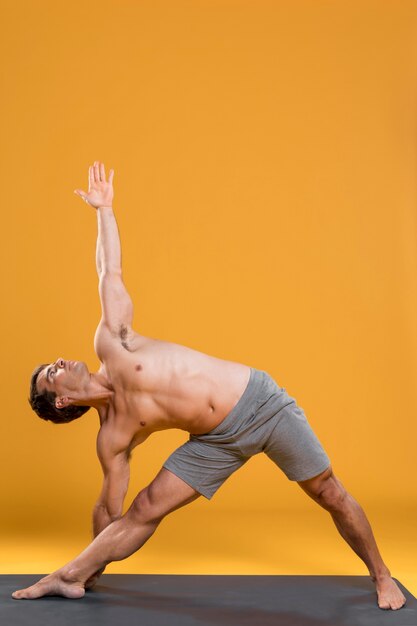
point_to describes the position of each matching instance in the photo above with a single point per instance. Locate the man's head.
(55, 389)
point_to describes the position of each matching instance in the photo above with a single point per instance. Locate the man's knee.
(325, 489)
(166, 493)
(145, 509)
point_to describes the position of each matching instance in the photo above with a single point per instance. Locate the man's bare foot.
(390, 595)
(56, 584)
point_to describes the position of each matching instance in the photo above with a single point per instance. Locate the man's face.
(65, 378)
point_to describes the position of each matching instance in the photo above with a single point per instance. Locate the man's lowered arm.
(116, 474)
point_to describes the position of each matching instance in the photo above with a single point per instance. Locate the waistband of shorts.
(246, 402)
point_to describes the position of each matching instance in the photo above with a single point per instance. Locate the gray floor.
(168, 600)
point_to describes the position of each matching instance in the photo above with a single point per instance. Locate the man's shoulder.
(105, 339)
(108, 340)
(112, 442)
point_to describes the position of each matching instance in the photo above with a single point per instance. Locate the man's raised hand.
(100, 192)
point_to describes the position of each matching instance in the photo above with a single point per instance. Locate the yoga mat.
(198, 600)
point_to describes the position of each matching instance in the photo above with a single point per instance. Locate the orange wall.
(265, 189)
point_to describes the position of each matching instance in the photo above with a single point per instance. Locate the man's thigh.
(294, 447)
(205, 466)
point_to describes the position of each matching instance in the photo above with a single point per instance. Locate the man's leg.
(120, 539)
(353, 525)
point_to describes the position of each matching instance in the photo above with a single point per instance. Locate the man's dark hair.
(44, 403)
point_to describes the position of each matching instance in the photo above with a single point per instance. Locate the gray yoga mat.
(184, 600)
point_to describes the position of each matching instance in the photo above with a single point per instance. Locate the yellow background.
(265, 190)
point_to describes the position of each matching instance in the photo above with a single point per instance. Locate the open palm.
(100, 191)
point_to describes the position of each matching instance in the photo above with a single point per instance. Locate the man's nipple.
(138, 367)
(143, 423)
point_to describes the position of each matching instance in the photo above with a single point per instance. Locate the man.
(231, 411)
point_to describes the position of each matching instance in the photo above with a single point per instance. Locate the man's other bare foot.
(390, 595)
(55, 584)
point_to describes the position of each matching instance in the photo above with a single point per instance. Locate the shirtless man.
(231, 411)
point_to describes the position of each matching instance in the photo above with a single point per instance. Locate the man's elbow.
(111, 513)
(108, 270)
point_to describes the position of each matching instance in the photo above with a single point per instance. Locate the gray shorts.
(265, 419)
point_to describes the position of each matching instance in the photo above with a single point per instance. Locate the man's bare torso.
(160, 385)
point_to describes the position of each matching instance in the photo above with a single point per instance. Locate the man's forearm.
(108, 253)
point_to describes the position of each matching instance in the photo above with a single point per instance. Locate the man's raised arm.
(116, 304)
(108, 252)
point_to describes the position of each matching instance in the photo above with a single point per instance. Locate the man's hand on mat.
(94, 578)
(100, 191)
(60, 583)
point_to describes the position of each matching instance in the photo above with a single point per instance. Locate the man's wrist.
(101, 519)
(105, 207)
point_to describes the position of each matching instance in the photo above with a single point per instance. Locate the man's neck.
(98, 393)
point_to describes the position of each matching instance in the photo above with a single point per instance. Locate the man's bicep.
(116, 473)
(116, 304)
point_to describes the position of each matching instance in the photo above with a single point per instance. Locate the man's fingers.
(82, 194)
(96, 172)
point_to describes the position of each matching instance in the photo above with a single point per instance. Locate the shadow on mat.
(197, 608)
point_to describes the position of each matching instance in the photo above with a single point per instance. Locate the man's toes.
(394, 605)
(29, 593)
(20, 594)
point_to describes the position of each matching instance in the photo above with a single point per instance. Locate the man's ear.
(62, 401)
